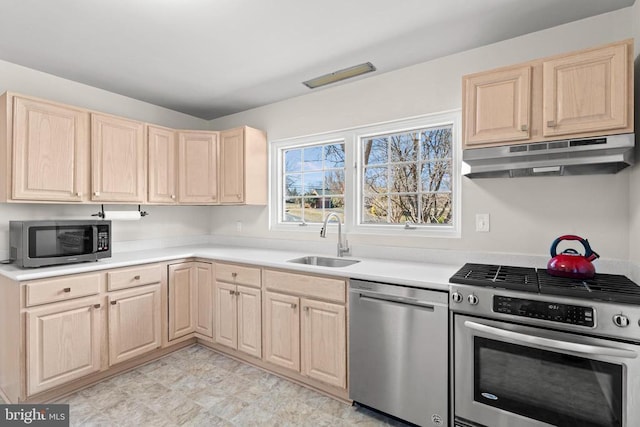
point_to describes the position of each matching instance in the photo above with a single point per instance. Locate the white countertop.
(417, 274)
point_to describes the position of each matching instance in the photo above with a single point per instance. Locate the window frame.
(353, 196)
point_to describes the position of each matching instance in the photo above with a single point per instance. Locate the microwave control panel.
(103, 238)
(544, 310)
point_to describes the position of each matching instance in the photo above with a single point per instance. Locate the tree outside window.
(406, 177)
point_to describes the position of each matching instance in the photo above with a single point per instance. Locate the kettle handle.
(588, 252)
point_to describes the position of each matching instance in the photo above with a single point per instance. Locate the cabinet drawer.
(238, 274)
(301, 284)
(135, 276)
(61, 289)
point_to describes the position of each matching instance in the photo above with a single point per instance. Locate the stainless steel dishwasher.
(398, 351)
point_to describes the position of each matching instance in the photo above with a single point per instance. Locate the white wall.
(163, 222)
(526, 214)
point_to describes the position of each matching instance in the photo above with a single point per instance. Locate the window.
(313, 182)
(399, 177)
(407, 177)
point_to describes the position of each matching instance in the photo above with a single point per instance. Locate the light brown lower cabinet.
(238, 318)
(62, 342)
(323, 342)
(134, 322)
(109, 320)
(282, 330)
(190, 299)
(308, 336)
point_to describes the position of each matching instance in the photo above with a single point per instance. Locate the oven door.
(512, 375)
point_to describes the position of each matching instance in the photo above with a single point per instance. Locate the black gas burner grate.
(497, 276)
(604, 287)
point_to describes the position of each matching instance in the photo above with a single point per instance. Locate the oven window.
(552, 387)
(59, 241)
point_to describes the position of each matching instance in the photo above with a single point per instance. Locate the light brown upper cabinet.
(45, 150)
(58, 153)
(581, 94)
(118, 159)
(243, 166)
(587, 91)
(198, 168)
(497, 106)
(163, 165)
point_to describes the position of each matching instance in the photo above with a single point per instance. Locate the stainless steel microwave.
(41, 243)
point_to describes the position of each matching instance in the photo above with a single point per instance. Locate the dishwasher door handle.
(396, 300)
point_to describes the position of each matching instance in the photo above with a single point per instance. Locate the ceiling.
(210, 58)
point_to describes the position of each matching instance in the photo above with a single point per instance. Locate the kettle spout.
(593, 256)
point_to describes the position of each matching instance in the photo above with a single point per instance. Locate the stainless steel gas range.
(530, 349)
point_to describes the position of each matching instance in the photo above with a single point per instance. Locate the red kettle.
(570, 263)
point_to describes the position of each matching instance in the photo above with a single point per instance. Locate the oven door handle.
(594, 350)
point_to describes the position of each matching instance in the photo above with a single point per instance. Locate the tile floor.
(196, 386)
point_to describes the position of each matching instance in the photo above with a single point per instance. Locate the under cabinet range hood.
(585, 156)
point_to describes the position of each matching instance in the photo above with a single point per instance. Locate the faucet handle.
(344, 250)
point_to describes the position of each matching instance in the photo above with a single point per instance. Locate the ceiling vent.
(340, 75)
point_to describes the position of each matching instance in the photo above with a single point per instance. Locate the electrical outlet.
(482, 222)
(239, 226)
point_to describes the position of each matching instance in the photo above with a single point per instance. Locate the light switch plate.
(482, 222)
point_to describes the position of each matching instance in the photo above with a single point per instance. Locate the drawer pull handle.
(524, 128)
(114, 302)
(234, 275)
(96, 193)
(67, 290)
(237, 293)
(136, 277)
(231, 292)
(96, 306)
(306, 309)
(551, 123)
(294, 306)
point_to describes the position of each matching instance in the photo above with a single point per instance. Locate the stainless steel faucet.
(342, 249)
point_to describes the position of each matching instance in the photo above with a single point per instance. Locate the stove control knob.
(473, 300)
(457, 297)
(621, 320)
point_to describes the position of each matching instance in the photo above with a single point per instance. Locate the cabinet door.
(118, 161)
(50, 152)
(232, 166)
(497, 106)
(586, 92)
(282, 330)
(324, 342)
(63, 343)
(182, 304)
(198, 167)
(204, 298)
(226, 323)
(134, 322)
(162, 165)
(249, 321)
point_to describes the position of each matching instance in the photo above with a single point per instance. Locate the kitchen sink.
(324, 261)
